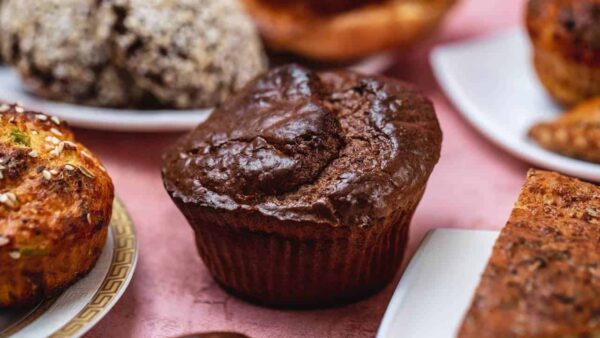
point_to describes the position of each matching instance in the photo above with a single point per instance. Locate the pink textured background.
(474, 186)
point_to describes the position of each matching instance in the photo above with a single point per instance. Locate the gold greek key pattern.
(120, 270)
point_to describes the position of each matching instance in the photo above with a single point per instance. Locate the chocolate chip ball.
(185, 53)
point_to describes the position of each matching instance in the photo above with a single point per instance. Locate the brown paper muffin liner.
(567, 81)
(306, 269)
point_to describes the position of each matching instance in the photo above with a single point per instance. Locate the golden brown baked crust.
(575, 134)
(350, 34)
(566, 40)
(543, 278)
(55, 207)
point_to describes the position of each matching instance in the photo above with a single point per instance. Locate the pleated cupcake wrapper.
(283, 271)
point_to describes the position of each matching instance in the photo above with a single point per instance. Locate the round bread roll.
(566, 40)
(339, 30)
(185, 53)
(54, 46)
(55, 207)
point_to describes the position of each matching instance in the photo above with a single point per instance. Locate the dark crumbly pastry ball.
(543, 278)
(185, 53)
(54, 46)
(338, 147)
(55, 207)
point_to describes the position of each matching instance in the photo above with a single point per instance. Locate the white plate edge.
(470, 112)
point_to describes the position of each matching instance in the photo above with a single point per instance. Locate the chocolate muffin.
(54, 46)
(566, 40)
(185, 53)
(301, 187)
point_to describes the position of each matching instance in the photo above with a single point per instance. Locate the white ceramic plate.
(81, 306)
(130, 120)
(437, 286)
(492, 82)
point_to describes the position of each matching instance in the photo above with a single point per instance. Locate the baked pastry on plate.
(566, 41)
(158, 54)
(543, 278)
(301, 187)
(341, 30)
(575, 134)
(55, 207)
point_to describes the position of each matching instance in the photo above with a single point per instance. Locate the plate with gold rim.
(82, 305)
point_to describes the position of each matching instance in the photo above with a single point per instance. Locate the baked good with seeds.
(55, 47)
(318, 172)
(343, 30)
(55, 207)
(575, 133)
(185, 53)
(543, 278)
(566, 41)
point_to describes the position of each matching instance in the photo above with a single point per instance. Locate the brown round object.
(346, 35)
(301, 187)
(186, 53)
(54, 46)
(566, 40)
(55, 207)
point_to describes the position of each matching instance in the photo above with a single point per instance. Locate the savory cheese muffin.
(55, 207)
(566, 41)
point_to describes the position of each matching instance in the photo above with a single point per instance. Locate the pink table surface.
(474, 186)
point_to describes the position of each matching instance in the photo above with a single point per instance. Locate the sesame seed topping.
(19, 109)
(41, 117)
(14, 254)
(1, 175)
(4, 240)
(56, 132)
(34, 132)
(70, 144)
(11, 196)
(11, 119)
(69, 167)
(55, 119)
(89, 218)
(4, 108)
(9, 199)
(54, 172)
(52, 139)
(33, 154)
(86, 154)
(47, 175)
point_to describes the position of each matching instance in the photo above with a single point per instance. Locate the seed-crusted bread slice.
(55, 206)
(543, 278)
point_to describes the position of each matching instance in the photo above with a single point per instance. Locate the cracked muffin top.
(337, 148)
(571, 27)
(185, 53)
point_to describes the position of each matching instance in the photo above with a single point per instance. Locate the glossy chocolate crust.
(570, 27)
(543, 278)
(338, 149)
